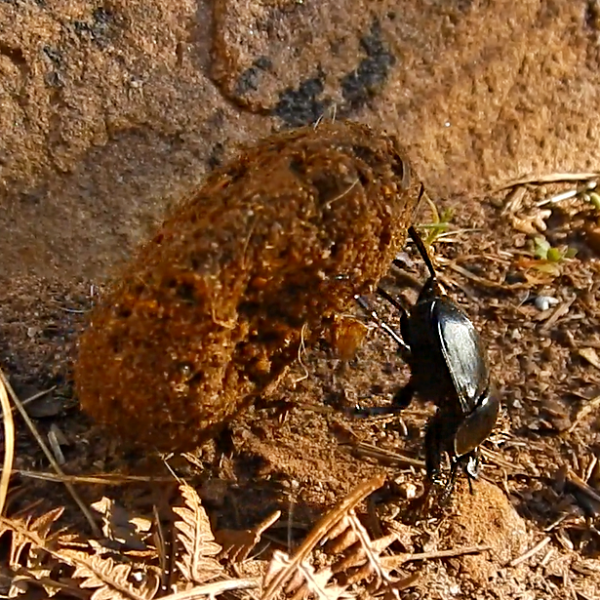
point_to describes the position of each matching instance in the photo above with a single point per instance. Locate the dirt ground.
(301, 454)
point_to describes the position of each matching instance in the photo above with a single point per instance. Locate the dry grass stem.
(9, 446)
(582, 486)
(550, 178)
(97, 479)
(393, 562)
(84, 509)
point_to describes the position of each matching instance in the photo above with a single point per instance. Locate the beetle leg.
(403, 397)
(433, 449)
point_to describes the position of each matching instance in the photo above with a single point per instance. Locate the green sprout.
(550, 259)
(440, 222)
(595, 199)
(544, 251)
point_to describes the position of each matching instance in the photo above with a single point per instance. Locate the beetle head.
(431, 290)
(478, 424)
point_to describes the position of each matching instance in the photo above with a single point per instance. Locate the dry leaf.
(196, 562)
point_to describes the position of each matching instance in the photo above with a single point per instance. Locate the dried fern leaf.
(305, 582)
(194, 534)
(214, 589)
(119, 527)
(25, 578)
(363, 550)
(237, 545)
(109, 579)
(321, 530)
(31, 538)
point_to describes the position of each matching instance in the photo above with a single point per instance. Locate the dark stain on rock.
(367, 79)
(54, 56)
(98, 30)
(215, 159)
(249, 80)
(301, 106)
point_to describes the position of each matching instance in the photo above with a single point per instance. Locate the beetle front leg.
(400, 401)
(403, 397)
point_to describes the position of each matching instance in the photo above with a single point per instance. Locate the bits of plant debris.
(259, 260)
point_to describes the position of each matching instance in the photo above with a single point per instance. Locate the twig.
(84, 509)
(496, 458)
(9, 446)
(521, 559)
(487, 282)
(387, 456)
(560, 311)
(302, 349)
(341, 195)
(590, 185)
(552, 178)
(393, 562)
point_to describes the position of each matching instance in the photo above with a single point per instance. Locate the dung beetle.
(449, 368)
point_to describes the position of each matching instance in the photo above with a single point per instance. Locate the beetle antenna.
(382, 324)
(416, 238)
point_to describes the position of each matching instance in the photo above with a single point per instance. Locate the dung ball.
(212, 309)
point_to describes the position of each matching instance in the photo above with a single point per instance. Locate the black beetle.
(448, 367)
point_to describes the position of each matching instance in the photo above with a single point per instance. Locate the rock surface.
(110, 111)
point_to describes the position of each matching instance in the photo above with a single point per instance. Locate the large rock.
(111, 111)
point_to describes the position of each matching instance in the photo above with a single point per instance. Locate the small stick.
(487, 282)
(563, 196)
(382, 324)
(9, 446)
(84, 509)
(387, 456)
(395, 561)
(447, 553)
(521, 559)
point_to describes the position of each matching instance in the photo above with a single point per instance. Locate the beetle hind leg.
(433, 449)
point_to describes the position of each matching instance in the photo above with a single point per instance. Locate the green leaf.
(541, 247)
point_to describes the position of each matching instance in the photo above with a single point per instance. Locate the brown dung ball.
(215, 306)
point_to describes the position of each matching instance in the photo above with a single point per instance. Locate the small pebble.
(543, 303)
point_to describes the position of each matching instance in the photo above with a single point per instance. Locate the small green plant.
(440, 222)
(544, 251)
